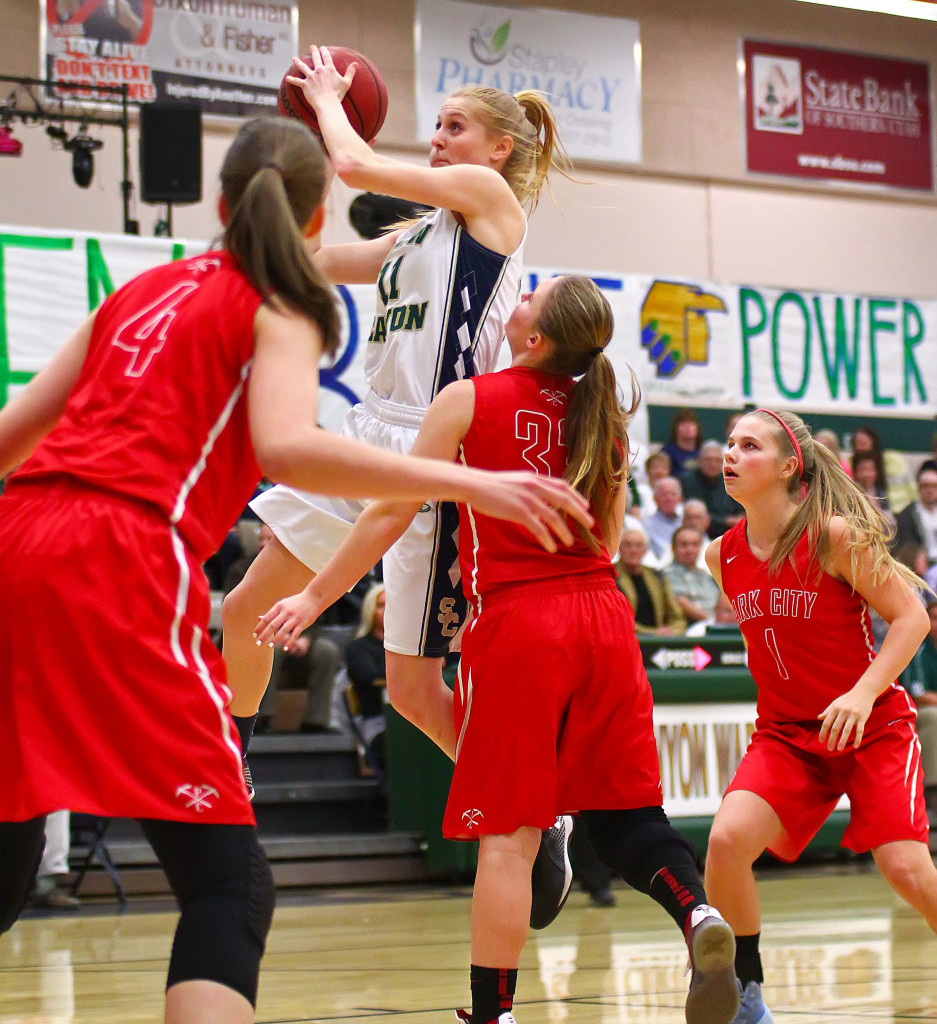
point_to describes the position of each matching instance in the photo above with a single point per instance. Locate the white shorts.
(426, 608)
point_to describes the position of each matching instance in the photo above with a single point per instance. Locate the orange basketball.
(365, 103)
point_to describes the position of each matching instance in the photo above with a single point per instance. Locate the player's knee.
(223, 928)
(633, 842)
(726, 842)
(238, 615)
(905, 874)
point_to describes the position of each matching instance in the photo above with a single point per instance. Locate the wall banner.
(588, 66)
(693, 343)
(813, 113)
(226, 55)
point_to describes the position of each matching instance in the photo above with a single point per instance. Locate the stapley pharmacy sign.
(589, 67)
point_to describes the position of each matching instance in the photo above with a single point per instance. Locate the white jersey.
(443, 301)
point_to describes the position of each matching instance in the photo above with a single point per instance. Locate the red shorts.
(112, 697)
(553, 710)
(787, 766)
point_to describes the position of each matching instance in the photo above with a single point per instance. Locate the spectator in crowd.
(898, 479)
(656, 611)
(869, 474)
(49, 893)
(660, 525)
(310, 664)
(706, 483)
(830, 439)
(722, 623)
(920, 680)
(683, 446)
(697, 517)
(918, 522)
(364, 658)
(695, 589)
(656, 467)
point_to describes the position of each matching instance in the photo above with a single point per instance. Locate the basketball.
(365, 103)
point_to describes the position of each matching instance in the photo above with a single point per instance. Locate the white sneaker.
(713, 997)
(464, 1017)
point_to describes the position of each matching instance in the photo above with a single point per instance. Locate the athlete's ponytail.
(530, 121)
(577, 319)
(272, 179)
(822, 491)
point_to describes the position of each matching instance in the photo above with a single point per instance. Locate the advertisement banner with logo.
(728, 345)
(694, 343)
(588, 66)
(699, 747)
(814, 113)
(226, 55)
(49, 281)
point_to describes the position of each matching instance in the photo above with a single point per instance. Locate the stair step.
(125, 852)
(314, 790)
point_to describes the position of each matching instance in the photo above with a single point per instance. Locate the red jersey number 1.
(144, 334)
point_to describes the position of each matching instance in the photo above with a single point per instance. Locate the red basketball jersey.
(809, 640)
(159, 412)
(518, 423)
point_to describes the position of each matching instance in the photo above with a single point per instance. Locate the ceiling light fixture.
(8, 145)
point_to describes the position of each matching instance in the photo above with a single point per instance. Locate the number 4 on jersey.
(144, 334)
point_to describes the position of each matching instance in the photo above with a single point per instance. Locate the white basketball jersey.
(443, 301)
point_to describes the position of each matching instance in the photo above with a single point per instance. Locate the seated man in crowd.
(920, 680)
(656, 467)
(722, 623)
(707, 484)
(918, 522)
(661, 524)
(695, 590)
(697, 517)
(656, 611)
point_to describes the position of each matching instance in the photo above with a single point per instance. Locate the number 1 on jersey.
(773, 648)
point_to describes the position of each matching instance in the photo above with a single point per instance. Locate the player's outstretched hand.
(284, 623)
(322, 79)
(845, 716)
(538, 503)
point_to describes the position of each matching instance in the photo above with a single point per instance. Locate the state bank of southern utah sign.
(825, 114)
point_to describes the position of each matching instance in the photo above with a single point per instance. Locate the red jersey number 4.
(144, 334)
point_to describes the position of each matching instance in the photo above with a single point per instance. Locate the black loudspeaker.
(170, 153)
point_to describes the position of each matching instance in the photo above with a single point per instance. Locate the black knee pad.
(634, 843)
(226, 894)
(21, 846)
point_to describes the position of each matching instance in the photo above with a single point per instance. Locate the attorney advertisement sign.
(589, 67)
(226, 55)
(825, 114)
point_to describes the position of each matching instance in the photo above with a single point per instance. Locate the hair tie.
(597, 351)
(273, 167)
(790, 434)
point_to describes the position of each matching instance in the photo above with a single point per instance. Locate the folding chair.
(88, 833)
